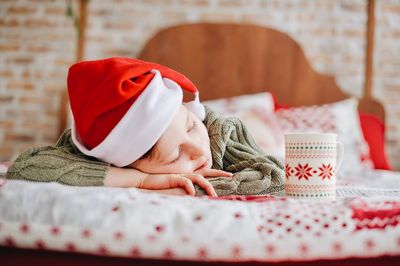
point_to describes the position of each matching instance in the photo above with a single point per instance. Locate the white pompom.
(197, 108)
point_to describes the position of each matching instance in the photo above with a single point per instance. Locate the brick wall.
(387, 72)
(37, 44)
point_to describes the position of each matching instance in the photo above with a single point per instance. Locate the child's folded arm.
(57, 164)
(62, 163)
(124, 177)
(127, 177)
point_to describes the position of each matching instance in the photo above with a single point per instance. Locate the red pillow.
(374, 133)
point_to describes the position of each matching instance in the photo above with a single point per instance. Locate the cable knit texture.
(232, 148)
(62, 163)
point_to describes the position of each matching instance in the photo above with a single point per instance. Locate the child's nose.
(196, 151)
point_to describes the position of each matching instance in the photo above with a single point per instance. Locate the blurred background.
(39, 41)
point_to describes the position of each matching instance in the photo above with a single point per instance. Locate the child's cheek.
(182, 166)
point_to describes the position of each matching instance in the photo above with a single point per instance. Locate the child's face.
(183, 148)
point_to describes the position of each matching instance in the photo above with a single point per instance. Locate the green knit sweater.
(232, 148)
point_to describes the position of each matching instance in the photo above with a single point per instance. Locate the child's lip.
(204, 164)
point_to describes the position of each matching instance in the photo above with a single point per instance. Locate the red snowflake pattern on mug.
(326, 171)
(303, 171)
(289, 171)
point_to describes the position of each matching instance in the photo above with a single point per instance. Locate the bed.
(261, 75)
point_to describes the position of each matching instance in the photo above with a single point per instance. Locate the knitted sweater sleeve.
(234, 150)
(62, 163)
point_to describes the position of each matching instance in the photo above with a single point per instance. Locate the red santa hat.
(122, 106)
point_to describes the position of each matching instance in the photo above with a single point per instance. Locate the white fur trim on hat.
(196, 107)
(142, 125)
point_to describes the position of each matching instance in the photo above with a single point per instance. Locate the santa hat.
(122, 106)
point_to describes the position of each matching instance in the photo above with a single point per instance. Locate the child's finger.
(222, 173)
(215, 172)
(204, 183)
(181, 181)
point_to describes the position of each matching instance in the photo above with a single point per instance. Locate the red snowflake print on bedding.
(118, 235)
(159, 228)
(55, 230)
(40, 244)
(86, 233)
(376, 216)
(135, 251)
(236, 251)
(102, 249)
(202, 253)
(337, 247)
(254, 198)
(168, 253)
(70, 247)
(270, 249)
(303, 171)
(9, 241)
(24, 228)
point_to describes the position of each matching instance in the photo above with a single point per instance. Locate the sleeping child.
(131, 128)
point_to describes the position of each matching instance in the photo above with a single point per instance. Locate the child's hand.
(213, 173)
(167, 181)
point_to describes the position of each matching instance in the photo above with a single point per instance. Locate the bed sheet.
(363, 222)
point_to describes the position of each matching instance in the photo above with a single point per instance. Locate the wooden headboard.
(226, 60)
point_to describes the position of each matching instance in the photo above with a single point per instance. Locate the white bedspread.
(364, 221)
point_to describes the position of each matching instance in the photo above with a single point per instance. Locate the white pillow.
(257, 113)
(339, 117)
(233, 106)
(268, 128)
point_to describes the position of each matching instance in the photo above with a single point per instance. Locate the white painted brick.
(331, 33)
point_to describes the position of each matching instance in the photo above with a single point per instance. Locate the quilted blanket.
(363, 222)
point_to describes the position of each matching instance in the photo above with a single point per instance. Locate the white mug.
(311, 163)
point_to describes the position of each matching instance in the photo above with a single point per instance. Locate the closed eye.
(177, 158)
(192, 126)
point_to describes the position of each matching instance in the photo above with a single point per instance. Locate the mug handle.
(339, 155)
